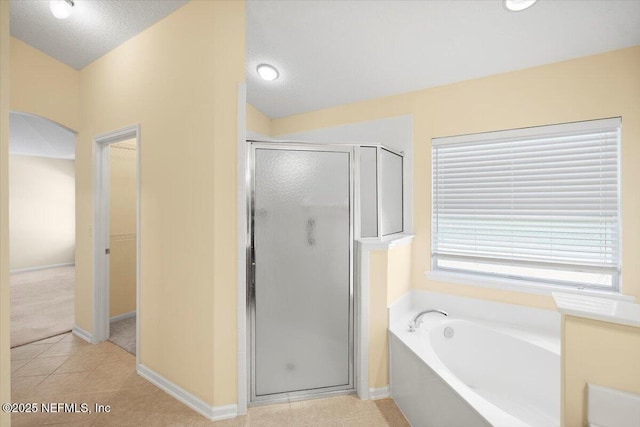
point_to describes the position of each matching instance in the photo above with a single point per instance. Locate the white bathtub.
(484, 375)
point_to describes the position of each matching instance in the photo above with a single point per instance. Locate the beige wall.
(605, 85)
(378, 320)
(399, 272)
(122, 227)
(5, 364)
(42, 211)
(598, 86)
(44, 86)
(389, 279)
(257, 121)
(183, 93)
(178, 89)
(596, 352)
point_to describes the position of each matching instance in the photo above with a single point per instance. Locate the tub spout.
(417, 319)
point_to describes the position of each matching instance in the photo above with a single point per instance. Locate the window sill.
(519, 285)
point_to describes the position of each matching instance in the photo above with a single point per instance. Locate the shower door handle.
(311, 228)
(253, 278)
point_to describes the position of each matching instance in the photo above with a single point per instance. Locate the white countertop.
(604, 309)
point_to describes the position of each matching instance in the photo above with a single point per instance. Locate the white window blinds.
(539, 203)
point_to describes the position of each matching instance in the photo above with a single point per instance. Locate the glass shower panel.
(302, 245)
(368, 192)
(391, 192)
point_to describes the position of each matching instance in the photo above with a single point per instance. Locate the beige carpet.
(123, 334)
(41, 304)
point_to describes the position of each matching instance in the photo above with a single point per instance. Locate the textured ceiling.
(34, 136)
(93, 29)
(337, 52)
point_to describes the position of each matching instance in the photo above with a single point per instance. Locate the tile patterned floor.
(67, 369)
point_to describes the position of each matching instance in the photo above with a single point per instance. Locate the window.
(391, 192)
(537, 204)
(381, 191)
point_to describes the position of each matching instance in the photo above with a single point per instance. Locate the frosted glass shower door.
(302, 307)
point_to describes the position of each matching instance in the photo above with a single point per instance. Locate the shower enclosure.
(302, 314)
(302, 206)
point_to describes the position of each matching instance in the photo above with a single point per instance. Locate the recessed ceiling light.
(61, 9)
(518, 5)
(267, 72)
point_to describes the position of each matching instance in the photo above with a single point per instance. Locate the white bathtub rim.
(494, 415)
(536, 320)
(535, 338)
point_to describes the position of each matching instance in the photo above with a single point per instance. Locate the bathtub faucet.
(417, 319)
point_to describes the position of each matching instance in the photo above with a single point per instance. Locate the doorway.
(117, 238)
(41, 228)
(122, 244)
(300, 283)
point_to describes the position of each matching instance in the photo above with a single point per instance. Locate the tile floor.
(66, 369)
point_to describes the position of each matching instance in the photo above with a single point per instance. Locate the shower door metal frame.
(251, 297)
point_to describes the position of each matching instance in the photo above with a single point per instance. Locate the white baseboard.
(224, 412)
(211, 412)
(42, 267)
(79, 332)
(379, 393)
(123, 316)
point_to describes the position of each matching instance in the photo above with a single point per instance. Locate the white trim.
(43, 267)
(122, 316)
(620, 206)
(379, 393)
(81, 333)
(100, 230)
(241, 206)
(518, 285)
(224, 412)
(213, 413)
(100, 241)
(365, 246)
(379, 235)
(362, 323)
(603, 309)
(388, 242)
(138, 236)
(530, 131)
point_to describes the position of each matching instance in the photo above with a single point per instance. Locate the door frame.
(351, 387)
(101, 317)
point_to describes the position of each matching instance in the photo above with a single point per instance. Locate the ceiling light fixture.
(267, 72)
(518, 5)
(61, 9)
